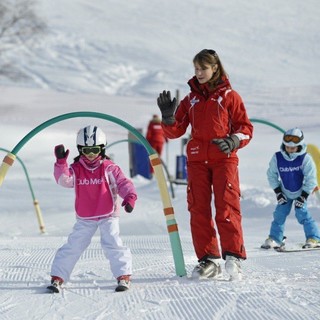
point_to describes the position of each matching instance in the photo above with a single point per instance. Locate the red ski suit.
(155, 135)
(213, 114)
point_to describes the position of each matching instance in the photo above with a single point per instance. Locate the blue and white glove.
(299, 202)
(281, 198)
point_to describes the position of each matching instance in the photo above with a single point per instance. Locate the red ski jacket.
(155, 132)
(212, 114)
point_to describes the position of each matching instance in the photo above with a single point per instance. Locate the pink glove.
(129, 202)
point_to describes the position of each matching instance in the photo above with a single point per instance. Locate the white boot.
(233, 267)
(271, 243)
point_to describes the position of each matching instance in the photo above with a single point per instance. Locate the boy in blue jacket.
(292, 176)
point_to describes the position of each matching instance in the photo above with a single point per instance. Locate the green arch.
(120, 141)
(135, 132)
(174, 234)
(82, 114)
(267, 123)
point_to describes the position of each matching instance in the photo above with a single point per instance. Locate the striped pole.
(168, 211)
(5, 166)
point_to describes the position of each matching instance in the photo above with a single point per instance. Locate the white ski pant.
(118, 255)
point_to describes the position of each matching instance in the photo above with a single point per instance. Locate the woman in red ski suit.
(219, 126)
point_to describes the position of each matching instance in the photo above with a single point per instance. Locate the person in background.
(219, 127)
(155, 135)
(97, 182)
(292, 175)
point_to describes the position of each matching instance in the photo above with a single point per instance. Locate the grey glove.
(167, 107)
(227, 145)
(281, 198)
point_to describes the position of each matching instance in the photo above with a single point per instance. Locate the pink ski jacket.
(97, 186)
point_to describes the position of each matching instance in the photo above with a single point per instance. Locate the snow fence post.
(168, 211)
(155, 162)
(35, 201)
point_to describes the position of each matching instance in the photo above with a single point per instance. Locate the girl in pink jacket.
(97, 182)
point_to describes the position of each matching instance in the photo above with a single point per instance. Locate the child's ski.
(284, 249)
(121, 288)
(53, 289)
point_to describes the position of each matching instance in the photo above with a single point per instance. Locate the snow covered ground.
(98, 60)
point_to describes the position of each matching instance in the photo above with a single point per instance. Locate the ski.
(269, 247)
(284, 249)
(53, 289)
(121, 288)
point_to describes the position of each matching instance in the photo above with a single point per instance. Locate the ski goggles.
(93, 150)
(290, 138)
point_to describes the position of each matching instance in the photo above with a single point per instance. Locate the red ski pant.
(221, 179)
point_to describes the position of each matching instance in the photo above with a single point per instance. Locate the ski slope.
(114, 58)
(275, 285)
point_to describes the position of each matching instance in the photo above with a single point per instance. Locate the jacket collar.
(90, 165)
(205, 91)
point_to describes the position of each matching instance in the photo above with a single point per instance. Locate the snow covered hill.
(140, 47)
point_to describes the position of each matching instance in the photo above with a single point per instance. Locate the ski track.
(275, 286)
(88, 58)
(156, 291)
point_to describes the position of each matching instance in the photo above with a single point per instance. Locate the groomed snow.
(114, 58)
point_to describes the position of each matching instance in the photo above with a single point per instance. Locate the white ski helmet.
(293, 138)
(91, 136)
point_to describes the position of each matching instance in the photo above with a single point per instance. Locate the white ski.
(301, 249)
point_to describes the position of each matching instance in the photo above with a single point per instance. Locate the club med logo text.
(91, 181)
(289, 169)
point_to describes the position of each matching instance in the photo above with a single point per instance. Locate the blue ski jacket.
(292, 172)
